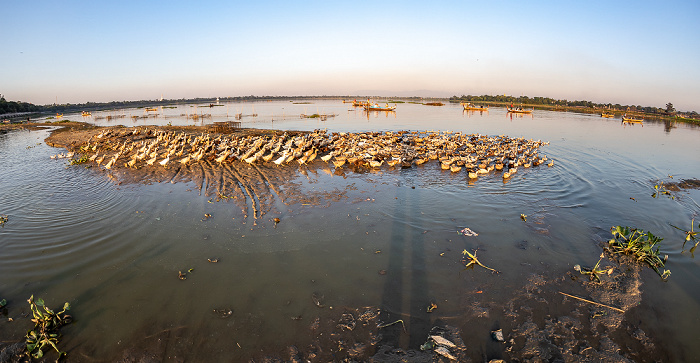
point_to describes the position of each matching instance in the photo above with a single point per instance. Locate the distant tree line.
(8, 107)
(551, 102)
(16, 107)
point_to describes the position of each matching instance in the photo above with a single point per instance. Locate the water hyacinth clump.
(640, 244)
(46, 324)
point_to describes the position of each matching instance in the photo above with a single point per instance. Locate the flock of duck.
(476, 154)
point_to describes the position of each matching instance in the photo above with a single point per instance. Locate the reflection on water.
(113, 246)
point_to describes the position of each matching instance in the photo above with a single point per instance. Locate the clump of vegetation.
(434, 104)
(593, 273)
(660, 189)
(3, 219)
(640, 245)
(82, 160)
(46, 324)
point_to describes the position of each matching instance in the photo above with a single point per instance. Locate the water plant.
(474, 261)
(593, 273)
(639, 244)
(660, 189)
(689, 235)
(46, 324)
(82, 160)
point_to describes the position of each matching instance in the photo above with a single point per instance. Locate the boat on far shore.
(471, 107)
(376, 107)
(519, 109)
(626, 118)
(607, 114)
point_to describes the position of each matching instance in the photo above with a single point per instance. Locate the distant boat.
(151, 109)
(357, 103)
(607, 115)
(626, 118)
(520, 109)
(376, 107)
(470, 107)
(86, 113)
(59, 115)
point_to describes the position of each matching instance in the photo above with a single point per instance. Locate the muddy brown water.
(355, 249)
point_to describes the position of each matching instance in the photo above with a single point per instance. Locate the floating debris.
(431, 307)
(445, 353)
(474, 261)
(3, 219)
(498, 335)
(381, 326)
(317, 299)
(223, 313)
(592, 302)
(442, 341)
(468, 232)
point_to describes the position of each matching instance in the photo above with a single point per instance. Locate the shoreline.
(446, 100)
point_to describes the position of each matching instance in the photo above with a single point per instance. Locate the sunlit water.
(114, 251)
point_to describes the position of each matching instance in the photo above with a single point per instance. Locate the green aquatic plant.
(660, 189)
(472, 261)
(594, 272)
(639, 244)
(46, 324)
(82, 160)
(689, 235)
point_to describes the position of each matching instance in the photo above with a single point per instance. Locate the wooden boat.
(626, 118)
(59, 115)
(149, 109)
(607, 115)
(470, 107)
(520, 110)
(357, 103)
(376, 107)
(86, 113)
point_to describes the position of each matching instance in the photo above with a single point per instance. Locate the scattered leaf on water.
(432, 307)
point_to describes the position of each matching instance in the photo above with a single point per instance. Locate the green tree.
(669, 108)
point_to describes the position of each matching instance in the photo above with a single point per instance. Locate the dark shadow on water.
(394, 297)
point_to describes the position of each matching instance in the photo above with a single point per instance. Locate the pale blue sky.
(627, 52)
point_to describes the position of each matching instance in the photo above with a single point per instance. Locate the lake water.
(386, 238)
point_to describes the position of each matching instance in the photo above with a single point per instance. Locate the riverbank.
(589, 110)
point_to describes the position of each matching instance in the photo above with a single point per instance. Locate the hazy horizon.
(636, 53)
